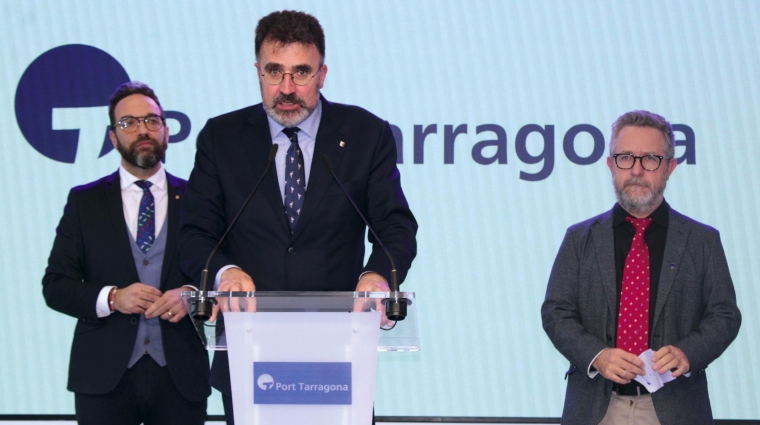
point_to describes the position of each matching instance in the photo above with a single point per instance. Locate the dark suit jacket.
(91, 251)
(696, 311)
(326, 251)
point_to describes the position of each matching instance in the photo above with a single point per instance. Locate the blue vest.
(149, 270)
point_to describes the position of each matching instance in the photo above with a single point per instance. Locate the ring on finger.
(169, 313)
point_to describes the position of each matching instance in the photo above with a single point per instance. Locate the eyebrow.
(273, 66)
(643, 154)
(144, 116)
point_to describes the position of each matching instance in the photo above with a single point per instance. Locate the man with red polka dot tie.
(640, 276)
(633, 314)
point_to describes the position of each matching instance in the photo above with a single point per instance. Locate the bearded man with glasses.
(640, 277)
(299, 232)
(135, 357)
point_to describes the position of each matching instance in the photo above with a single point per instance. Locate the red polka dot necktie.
(633, 319)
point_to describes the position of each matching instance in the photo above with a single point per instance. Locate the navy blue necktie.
(146, 217)
(295, 178)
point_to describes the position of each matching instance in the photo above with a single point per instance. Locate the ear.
(112, 136)
(610, 163)
(672, 163)
(322, 75)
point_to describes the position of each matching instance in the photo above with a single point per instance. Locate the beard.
(289, 118)
(145, 157)
(639, 204)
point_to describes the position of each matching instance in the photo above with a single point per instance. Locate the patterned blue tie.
(295, 179)
(146, 217)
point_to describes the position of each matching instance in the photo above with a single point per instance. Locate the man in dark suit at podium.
(299, 232)
(135, 358)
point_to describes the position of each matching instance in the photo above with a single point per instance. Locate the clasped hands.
(139, 298)
(621, 367)
(236, 280)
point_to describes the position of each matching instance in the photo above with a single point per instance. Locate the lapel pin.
(342, 143)
(672, 266)
(176, 196)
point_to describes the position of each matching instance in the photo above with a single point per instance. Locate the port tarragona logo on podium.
(302, 383)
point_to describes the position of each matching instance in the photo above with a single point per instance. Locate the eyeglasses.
(130, 124)
(300, 77)
(626, 161)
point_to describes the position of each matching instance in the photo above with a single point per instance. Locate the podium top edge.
(295, 294)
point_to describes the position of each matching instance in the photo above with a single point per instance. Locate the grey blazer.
(696, 311)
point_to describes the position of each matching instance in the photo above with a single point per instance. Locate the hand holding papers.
(652, 380)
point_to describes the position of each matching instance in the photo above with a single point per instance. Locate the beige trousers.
(630, 410)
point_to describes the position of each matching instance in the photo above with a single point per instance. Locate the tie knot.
(640, 224)
(292, 133)
(143, 184)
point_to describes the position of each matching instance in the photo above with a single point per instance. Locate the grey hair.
(645, 119)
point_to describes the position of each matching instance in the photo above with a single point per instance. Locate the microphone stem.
(203, 304)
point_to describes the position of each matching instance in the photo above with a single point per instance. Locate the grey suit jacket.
(696, 311)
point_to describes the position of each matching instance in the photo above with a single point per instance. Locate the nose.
(143, 128)
(287, 86)
(638, 168)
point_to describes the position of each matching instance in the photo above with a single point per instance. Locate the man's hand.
(669, 358)
(373, 282)
(618, 365)
(234, 280)
(169, 306)
(135, 298)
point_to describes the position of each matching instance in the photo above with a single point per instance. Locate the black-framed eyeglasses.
(626, 161)
(300, 77)
(130, 124)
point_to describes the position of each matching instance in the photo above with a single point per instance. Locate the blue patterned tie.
(295, 178)
(146, 217)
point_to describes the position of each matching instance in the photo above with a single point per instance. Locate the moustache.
(146, 137)
(637, 182)
(290, 98)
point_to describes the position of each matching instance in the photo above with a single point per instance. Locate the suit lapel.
(675, 246)
(327, 143)
(604, 245)
(171, 224)
(112, 191)
(257, 143)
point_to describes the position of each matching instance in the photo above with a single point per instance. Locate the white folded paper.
(653, 381)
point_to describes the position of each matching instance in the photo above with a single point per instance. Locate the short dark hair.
(289, 26)
(127, 89)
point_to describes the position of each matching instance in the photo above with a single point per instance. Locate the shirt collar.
(158, 179)
(309, 126)
(660, 216)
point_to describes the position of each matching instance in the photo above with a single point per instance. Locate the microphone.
(202, 306)
(395, 308)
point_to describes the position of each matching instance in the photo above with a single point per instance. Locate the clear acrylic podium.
(304, 357)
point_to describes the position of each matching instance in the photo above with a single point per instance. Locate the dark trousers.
(230, 418)
(146, 394)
